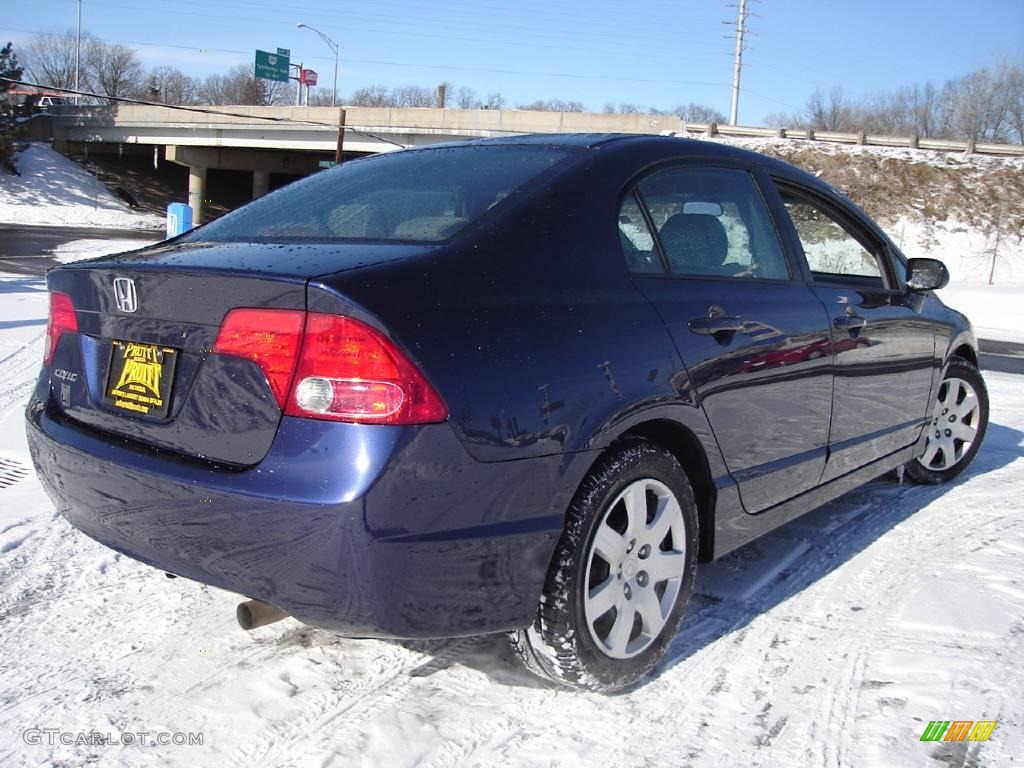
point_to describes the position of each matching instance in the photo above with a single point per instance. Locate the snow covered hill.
(55, 191)
(964, 209)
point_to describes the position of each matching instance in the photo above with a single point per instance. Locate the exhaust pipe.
(256, 613)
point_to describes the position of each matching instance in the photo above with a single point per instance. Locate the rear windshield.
(412, 196)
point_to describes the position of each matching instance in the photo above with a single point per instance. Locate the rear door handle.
(709, 326)
(849, 322)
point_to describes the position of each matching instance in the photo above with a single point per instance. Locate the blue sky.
(648, 52)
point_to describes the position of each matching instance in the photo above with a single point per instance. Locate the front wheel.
(621, 575)
(958, 422)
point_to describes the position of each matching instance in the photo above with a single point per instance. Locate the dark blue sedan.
(520, 385)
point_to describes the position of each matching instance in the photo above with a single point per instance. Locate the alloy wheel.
(954, 425)
(635, 568)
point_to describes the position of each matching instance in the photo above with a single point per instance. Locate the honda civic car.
(514, 386)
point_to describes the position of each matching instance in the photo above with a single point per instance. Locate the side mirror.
(926, 275)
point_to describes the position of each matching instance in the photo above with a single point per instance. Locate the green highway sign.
(284, 52)
(272, 66)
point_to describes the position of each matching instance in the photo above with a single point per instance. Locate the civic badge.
(124, 294)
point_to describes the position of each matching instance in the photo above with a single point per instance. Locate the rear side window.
(636, 238)
(413, 196)
(713, 221)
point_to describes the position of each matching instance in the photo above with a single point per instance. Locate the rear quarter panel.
(530, 328)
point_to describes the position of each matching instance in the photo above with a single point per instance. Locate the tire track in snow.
(20, 369)
(282, 742)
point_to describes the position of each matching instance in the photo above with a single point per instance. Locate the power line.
(615, 28)
(405, 19)
(423, 65)
(419, 34)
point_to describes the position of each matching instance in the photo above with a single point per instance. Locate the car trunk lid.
(142, 365)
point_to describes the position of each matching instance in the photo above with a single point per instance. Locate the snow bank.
(996, 311)
(55, 191)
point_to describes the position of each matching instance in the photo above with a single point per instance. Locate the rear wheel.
(959, 419)
(621, 575)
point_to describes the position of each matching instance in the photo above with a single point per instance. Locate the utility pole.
(741, 30)
(78, 52)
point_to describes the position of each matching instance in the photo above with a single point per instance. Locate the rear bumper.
(366, 530)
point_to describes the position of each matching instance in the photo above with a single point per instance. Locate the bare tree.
(828, 112)
(924, 103)
(169, 85)
(413, 96)
(553, 105)
(50, 58)
(1015, 103)
(320, 97)
(782, 120)
(983, 105)
(698, 113)
(466, 99)
(240, 86)
(114, 69)
(495, 101)
(372, 96)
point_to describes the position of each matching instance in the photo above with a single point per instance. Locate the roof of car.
(672, 145)
(700, 147)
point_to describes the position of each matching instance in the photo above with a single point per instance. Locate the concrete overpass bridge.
(300, 140)
(296, 140)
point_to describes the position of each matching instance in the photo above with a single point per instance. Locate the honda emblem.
(124, 294)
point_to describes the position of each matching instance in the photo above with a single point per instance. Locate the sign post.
(272, 66)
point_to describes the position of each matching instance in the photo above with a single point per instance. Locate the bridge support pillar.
(260, 183)
(196, 192)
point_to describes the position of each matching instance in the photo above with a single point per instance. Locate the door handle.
(709, 326)
(849, 323)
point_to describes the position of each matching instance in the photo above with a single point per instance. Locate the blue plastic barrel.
(179, 219)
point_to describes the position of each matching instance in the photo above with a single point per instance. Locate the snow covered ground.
(996, 311)
(55, 191)
(76, 250)
(831, 642)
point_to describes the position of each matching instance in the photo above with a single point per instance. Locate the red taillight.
(62, 320)
(349, 371)
(346, 370)
(271, 338)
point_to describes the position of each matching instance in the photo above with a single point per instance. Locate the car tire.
(956, 427)
(610, 572)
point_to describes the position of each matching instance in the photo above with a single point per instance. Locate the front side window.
(713, 221)
(425, 195)
(832, 252)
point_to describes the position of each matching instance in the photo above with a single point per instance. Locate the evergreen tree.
(9, 69)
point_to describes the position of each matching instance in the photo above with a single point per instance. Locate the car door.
(883, 348)
(753, 340)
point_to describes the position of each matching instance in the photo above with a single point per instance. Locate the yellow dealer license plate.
(139, 378)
